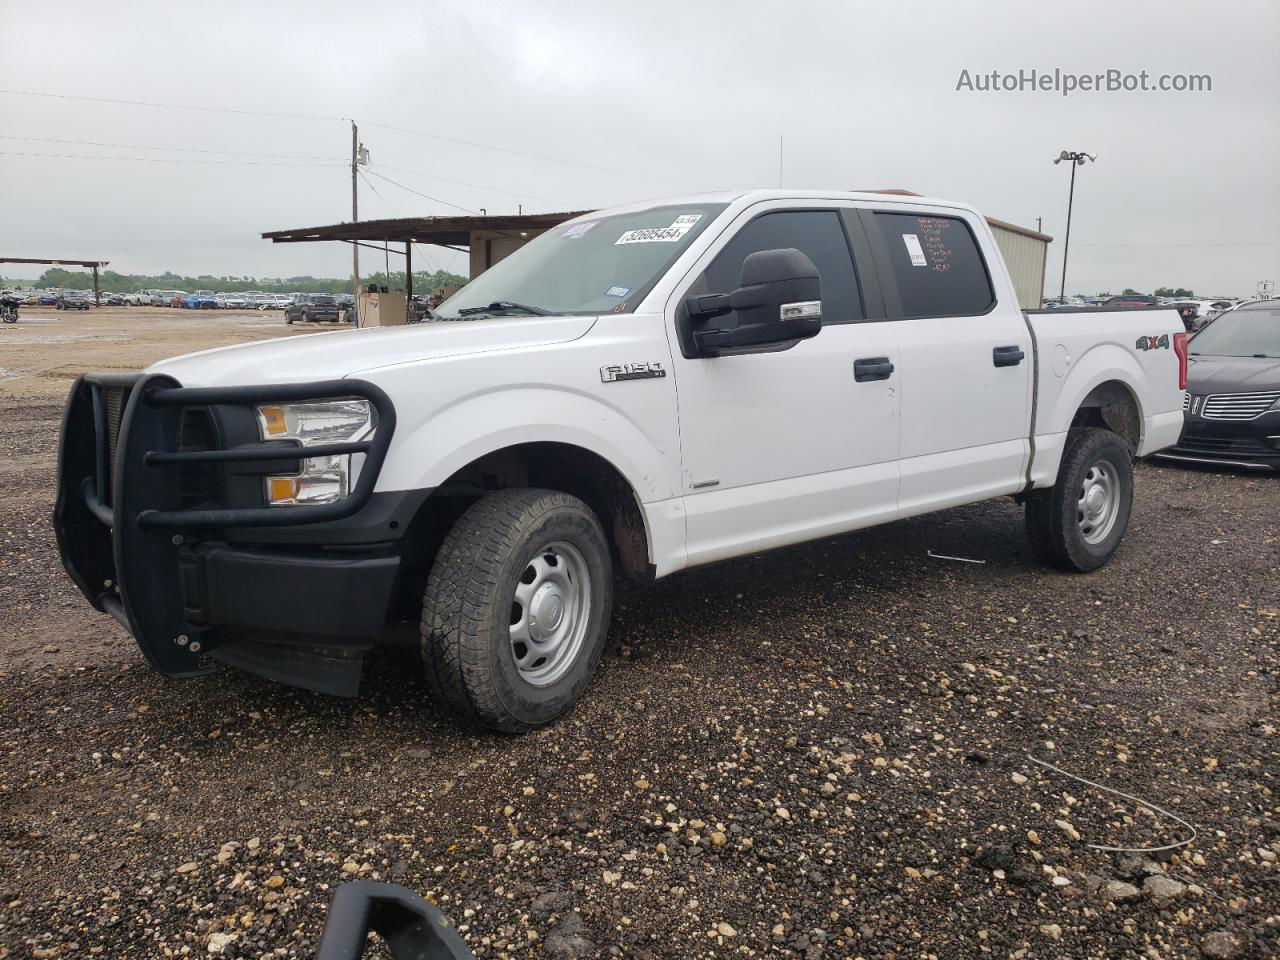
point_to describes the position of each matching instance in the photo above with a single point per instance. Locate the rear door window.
(937, 265)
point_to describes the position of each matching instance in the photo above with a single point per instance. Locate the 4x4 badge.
(613, 372)
(1153, 343)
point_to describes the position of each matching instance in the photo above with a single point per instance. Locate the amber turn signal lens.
(273, 423)
(282, 489)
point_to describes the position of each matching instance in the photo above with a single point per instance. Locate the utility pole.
(1076, 159)
(355, 216)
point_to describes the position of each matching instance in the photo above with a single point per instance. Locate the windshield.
(603, 264)
(324, 301)
(1242, 333)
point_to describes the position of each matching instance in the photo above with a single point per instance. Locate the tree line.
(112, 282)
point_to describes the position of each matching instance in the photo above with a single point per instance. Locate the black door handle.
(872, 368)
(1007, 356)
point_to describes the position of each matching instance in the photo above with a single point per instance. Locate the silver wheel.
(1099, 501)
(550, 613)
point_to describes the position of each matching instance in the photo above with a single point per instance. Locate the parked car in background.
(137, 299)
(73, 300)
(1207, 307)
(311, 308)
(113, 299)
(1188, 311)
(1232, 404)
(177, 298)
(201, 300)
(232, 301)
(50, 298)
(1130, 300)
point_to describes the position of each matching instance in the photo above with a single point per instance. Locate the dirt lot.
(819, 752)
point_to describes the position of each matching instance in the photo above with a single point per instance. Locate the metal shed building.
(1025, 253)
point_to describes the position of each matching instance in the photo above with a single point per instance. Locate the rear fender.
(1103, 363)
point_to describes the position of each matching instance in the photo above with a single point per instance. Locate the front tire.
(1078, 523)
(516, 609)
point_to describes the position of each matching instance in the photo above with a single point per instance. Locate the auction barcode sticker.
(679, 227)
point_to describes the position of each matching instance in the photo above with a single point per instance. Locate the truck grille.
(1186, 402)
(200, 484)
(114, 401)
(1238, 406)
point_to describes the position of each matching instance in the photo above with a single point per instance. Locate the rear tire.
(1078, 523)
(516, 609)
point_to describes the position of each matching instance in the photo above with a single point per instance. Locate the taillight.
(1180, 348)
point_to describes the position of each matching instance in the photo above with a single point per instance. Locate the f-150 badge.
(613, 372)
(1153, 343)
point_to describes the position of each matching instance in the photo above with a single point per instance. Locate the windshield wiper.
(504, 305)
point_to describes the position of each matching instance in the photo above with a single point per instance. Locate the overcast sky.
(672, 97)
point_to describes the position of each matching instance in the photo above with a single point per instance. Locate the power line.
(385, 126)
(147, 146)
(420, 194)
(477, 186)
(85, 156)
(534, 156)
(169, 106)
(376, 192)
(423, 251)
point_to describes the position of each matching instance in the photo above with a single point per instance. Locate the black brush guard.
(118, 517)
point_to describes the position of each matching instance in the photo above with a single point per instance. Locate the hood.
(1206, 374)
(342, 353)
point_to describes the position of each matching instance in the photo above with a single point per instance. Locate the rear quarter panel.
(1078, 351)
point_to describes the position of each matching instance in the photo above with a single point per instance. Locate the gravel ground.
(819, 752)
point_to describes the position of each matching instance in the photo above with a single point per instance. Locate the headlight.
(322, 479)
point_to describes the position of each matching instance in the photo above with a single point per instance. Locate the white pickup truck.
(633, 393)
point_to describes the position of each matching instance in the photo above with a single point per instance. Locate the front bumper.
(139, 549)
(1253, 444)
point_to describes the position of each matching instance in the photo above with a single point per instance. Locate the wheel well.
(555, 466)
(1112, 406)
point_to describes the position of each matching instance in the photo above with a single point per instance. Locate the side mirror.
(778, 300)
(411, 928)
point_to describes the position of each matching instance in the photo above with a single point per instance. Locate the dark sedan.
(73, 300)
(1232, 402)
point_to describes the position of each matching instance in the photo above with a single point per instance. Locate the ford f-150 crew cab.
(634, 392)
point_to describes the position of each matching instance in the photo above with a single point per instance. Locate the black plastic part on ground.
(411, 927)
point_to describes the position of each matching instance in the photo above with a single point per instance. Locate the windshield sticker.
(679, 227)
(915, 250)
(617, 291)
(578, 230)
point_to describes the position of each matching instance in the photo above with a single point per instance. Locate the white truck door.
(781, 445)
(967, 363)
